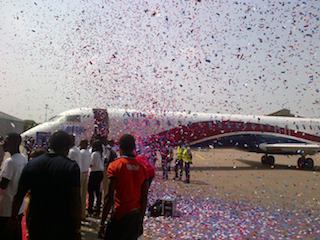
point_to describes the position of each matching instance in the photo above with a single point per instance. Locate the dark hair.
(14, 138)
(127, 143)
(37, 152)
(97, 147)
(84, 143)
(60, 141)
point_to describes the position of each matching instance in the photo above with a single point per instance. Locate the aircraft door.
(101, 123)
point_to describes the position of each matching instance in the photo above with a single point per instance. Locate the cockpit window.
(73, 118)
(55, 118)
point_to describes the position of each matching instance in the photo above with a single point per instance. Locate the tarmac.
(233, 196)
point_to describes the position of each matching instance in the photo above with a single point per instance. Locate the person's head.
(12, 143)
(60, 142)
(97, 146)
(84, 144)
(111, 143)
(127, 145)
(37, 152)
(73, 140)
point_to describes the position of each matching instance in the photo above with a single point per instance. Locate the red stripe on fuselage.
(201, 130)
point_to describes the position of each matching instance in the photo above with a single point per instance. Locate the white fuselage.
(247, 132)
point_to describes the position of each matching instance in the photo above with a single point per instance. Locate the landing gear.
(305, 163)
(267, 160)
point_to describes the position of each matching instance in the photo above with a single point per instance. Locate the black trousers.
(187, 170)
(94, 189)
(178, 168)
(10, 234)
(164, 165)
(128, 227)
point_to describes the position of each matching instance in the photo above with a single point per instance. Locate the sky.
(222, 56)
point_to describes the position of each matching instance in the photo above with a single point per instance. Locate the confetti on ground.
(216, 218)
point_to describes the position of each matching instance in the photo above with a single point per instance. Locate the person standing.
(53, 181)
(74, 152)
(95, 177)
(110, 156)
(187, 159)
(10, 228)
(170, 157)
(179, 163)
(2, 153)
(85, 158)
(164, 162)
(128, 191)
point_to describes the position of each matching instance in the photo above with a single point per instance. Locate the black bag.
(155, 210)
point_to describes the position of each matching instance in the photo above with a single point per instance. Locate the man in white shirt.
(9, 178)
(85, 158)
(74, 152)
(95, 178)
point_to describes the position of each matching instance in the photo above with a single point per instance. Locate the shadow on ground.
(251, 165)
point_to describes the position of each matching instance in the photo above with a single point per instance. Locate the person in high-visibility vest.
(178, 164)
(187, 159)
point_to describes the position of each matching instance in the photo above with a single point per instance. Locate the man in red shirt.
(128, 191)
(150, 169)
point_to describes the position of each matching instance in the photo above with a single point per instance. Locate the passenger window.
(304, 127)
(297, 127)
(310, 127)
(73, 118)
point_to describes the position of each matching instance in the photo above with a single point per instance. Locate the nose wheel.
(305, 163)
(267, 160)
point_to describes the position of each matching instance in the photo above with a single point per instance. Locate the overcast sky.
(247, 57)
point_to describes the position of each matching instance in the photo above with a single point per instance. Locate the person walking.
(95, 178)
(10, 228)
(53, 181)
(128, 191)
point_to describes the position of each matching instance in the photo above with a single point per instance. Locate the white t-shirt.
(74, 154)
(12, 169)
(96, 162)
(85, 158)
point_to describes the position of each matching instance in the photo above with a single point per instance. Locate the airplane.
(268, 135)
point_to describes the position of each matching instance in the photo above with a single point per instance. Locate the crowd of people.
(51, 188)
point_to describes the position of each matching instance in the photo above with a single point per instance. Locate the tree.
(29, 124)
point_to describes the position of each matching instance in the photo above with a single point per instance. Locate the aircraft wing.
(290, 148)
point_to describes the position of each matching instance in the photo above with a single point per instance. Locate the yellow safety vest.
(179, 153)
(186, 156)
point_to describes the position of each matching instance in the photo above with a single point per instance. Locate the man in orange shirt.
(128, 191)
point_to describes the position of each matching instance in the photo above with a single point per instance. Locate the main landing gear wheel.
(264, 160)
(305, 163)
(267, 160)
